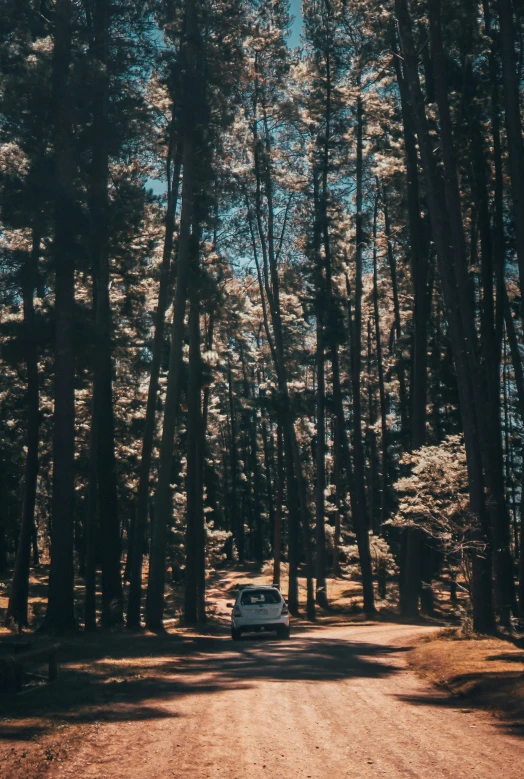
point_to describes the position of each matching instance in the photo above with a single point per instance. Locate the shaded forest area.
(261, 302)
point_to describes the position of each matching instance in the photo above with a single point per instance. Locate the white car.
(259, 609)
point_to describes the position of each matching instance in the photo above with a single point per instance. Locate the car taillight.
(237, 612)
(285, 609)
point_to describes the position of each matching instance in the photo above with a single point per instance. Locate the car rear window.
(252, 597)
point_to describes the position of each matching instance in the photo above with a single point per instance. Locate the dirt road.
(329, 704)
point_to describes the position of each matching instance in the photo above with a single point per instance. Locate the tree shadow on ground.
(126, 677)
(508, 657)
(494, 692)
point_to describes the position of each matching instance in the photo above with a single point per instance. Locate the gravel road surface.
(330, 703)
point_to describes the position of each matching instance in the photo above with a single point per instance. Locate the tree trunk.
(370, 438)
(441, 229)
(489, 431)
(112, 594)
(194, 596)
(410, 568)
(419, 267)
(250, 426)
(155, 590)
(136, 551)
(358, 501)
(519, 382)
(320, 453)
(293, 527)
(237, 520)
(396, 346)
(381, 386)
(338, 497)
(3, 528)
(499, 247)
(277, 542)
(92, 525)
(34, 544)
(60, 613)
(269, 476)
(513, 126)
(17, 606)
(271, 290)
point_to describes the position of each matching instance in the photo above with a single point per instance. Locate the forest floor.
(337, 700)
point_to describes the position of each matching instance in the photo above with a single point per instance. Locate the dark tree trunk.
(92, 526)
(499, 248)
(513, 125)
(419, 268)
(252, 457)
(320, 453)
(17, 606)
(269, 476)
(519, 382)
(358, 498)
(455, 304)
(371, 440)
(156, 583)
(237, 519)
(342, 453)
(277, 542)
(137, 542)
(521, 570)
(60, 613)
(194, 596)
(489, 431)
(258, 528)
(107, 492)
(397, 339)
(270, 290)
(293, 527)
(410, 569)
(381, 385)
(338, 496)
(3, 528)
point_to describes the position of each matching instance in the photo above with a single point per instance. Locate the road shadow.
(130, 677)
(496, 693)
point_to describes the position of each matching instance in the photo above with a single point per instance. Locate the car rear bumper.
(261, 627)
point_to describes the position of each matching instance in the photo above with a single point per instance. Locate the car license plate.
(262, 611)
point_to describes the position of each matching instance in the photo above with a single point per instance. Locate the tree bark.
(271, 290)
(277, 542)
(194, 596)
(370, 439)
(320, 453)
(269, 477)
(419, 267)
(17, 606)
(489, 431)
(107, 491)
(441, 230)
(60, 615)
(155, 590)
(397, 340)
(381, 387)
(410, 582)
(513, 126)
(136, 551)
(358, 499)
(237, 520)
(92, 525)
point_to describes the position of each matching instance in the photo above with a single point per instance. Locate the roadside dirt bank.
(486, 672)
